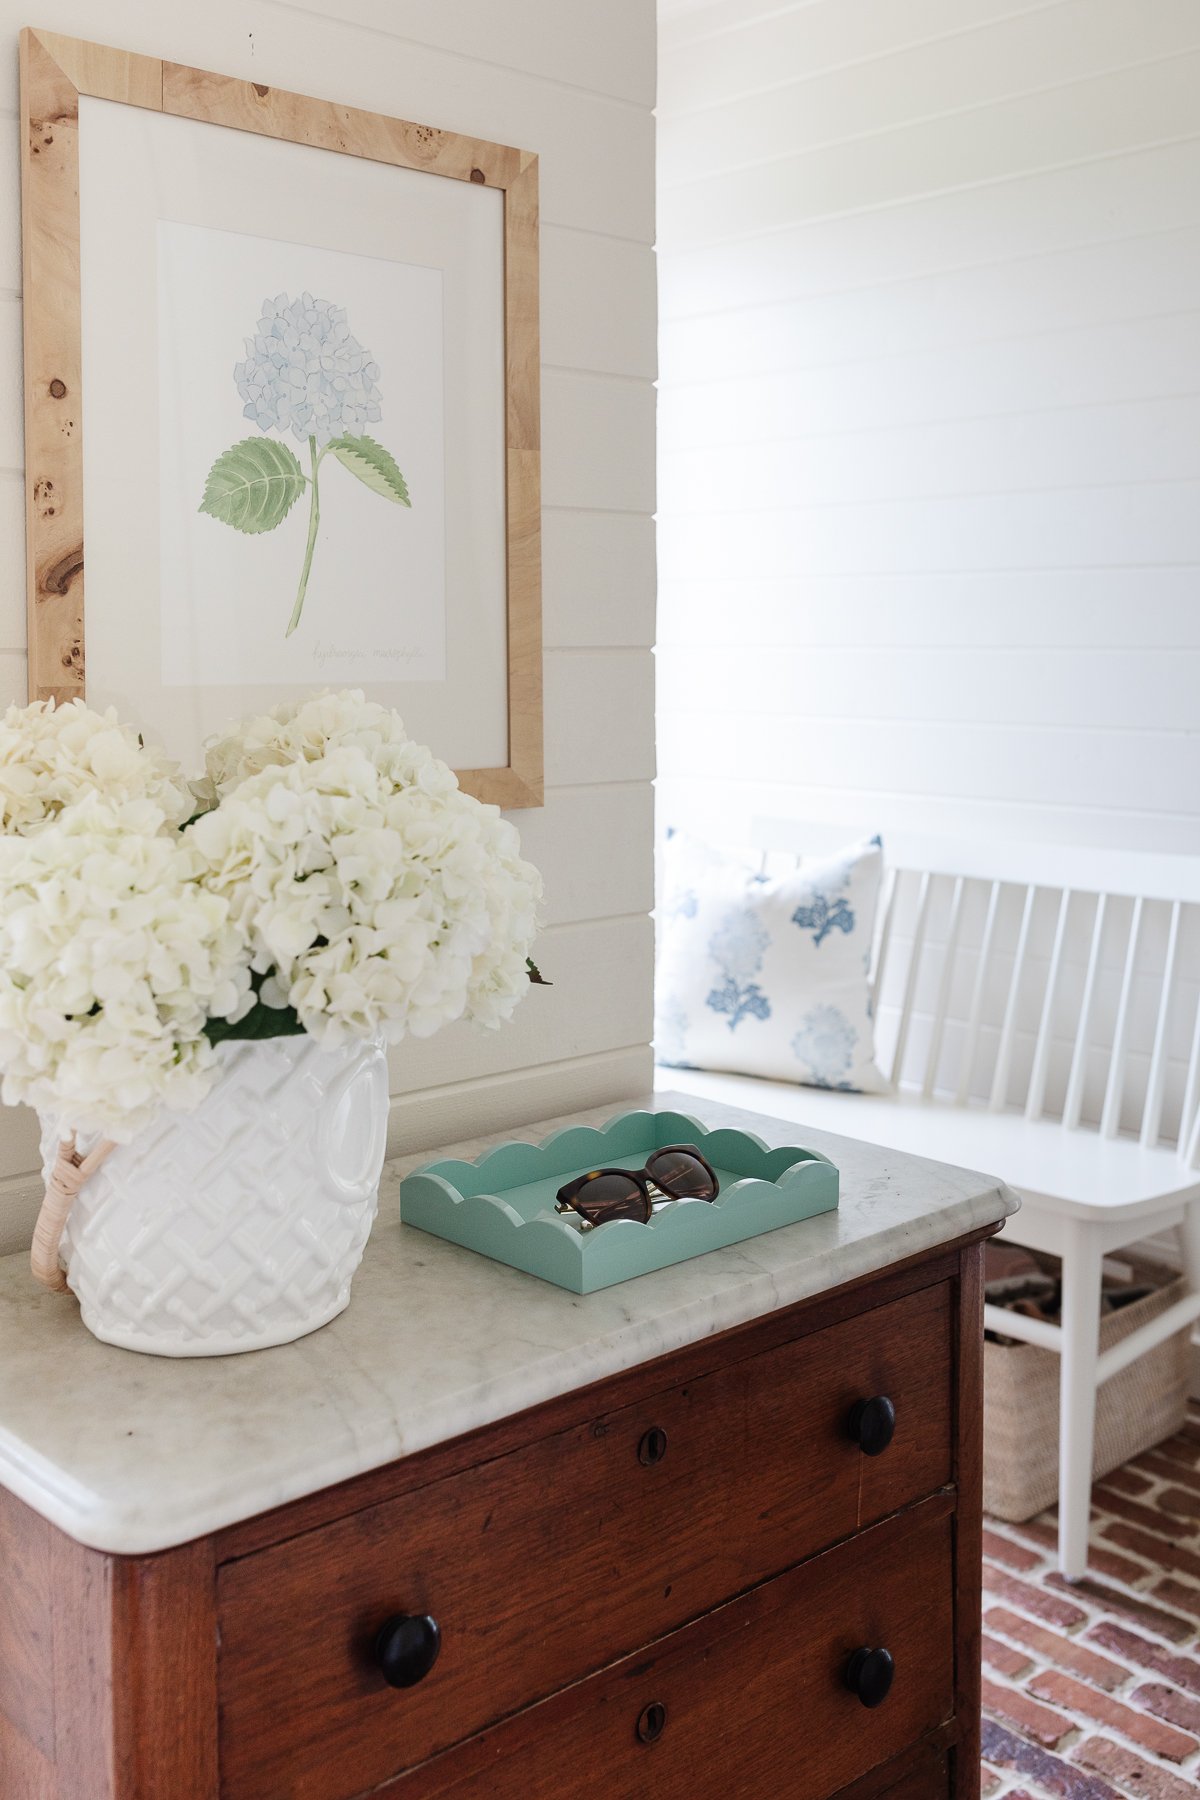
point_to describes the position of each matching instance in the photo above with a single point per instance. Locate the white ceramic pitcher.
(239, 1225)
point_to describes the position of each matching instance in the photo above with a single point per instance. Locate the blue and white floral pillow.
(767, 974)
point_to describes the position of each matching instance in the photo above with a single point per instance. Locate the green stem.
(314, 520)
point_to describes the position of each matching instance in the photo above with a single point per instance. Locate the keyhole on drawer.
(652, 1722)
(653, 1447)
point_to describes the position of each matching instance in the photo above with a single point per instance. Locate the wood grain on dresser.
(544, 1565)
(577, 1585)
(749, 1701)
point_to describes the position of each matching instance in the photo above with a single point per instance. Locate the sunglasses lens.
(681, 1175)
(611, 1197)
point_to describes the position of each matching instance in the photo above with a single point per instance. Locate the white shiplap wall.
(930, 416)
(575, 83)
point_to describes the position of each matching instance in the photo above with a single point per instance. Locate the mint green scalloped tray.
(502, 1205)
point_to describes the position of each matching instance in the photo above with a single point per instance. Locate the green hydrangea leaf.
(254, 485)
(375, 467)
(262, 1021)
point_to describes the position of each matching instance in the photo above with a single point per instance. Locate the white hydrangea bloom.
(113, 956)
(306, 373)
(303, 730)
(373, 903)
(52, 756)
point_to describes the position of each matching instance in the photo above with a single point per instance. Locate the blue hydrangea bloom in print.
(825, 1045)
(738, 946)
(822, 913)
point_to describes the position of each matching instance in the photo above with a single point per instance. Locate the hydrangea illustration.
(738, 946)
(825, 911)
(825, 1045)
(305, 372)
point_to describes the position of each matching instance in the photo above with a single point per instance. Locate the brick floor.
(1092, 1690)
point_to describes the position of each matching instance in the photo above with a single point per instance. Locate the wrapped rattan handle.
(68, 1175)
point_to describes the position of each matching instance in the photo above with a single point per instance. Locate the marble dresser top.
(133, 1453)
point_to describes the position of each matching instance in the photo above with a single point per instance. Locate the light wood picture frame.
(56, 72)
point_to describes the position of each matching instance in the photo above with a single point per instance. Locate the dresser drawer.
(923, 1777)
(548, 1563)
(750, 1702)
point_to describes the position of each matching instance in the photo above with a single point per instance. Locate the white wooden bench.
(1038, 1012)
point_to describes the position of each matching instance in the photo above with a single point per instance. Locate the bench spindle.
(1035, 1100)
(1110, 1118)
(977, 993)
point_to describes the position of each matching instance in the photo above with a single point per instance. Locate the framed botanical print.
(282, 409)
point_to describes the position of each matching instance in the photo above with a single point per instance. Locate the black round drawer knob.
(653, 1447)
(406, 1648)
(872, 1424)
(869, 1675)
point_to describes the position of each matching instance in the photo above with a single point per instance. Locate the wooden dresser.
(746, 1566)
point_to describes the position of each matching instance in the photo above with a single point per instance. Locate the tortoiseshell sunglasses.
(676, 1172)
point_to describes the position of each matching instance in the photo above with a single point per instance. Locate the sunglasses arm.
(566, 1206)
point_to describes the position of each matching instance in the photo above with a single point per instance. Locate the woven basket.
(1137, 1408)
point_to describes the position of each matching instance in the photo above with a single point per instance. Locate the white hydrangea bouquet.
(172, 949)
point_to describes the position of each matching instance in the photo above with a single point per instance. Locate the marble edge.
(117, 1526)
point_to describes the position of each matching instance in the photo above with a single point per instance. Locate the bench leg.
(1077, 1396)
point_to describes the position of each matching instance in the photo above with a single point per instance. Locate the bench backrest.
(1058, 981)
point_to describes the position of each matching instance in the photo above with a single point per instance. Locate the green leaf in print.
(375, 467)
(254, 485)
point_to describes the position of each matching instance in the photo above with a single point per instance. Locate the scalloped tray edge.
(795, 1184)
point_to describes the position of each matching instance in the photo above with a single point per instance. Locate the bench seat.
(1067, 1172)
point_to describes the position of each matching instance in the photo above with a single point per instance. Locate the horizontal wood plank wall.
(929, 467)
(574, 83)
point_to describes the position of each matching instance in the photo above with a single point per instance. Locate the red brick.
(1033, 1721)
(1131, 1606)
(1162, 1555)
(1004, 1658)
(1117, 1568)
(1137, 1777)
(1179, 1451)
(1081, 1701)
(990, 1779)
(1137, 1513)
(1165, 1703)
(1037, 1533)
(1124, 1481)
(1031, 1599)
(1172, 1463)
(1065, 1651)
(1179, 1501)
(1175, 1593)
(1104, 1562)
(1051, 1774)
(1003, 1550)
(1182, 1670)
(1173, 1466)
